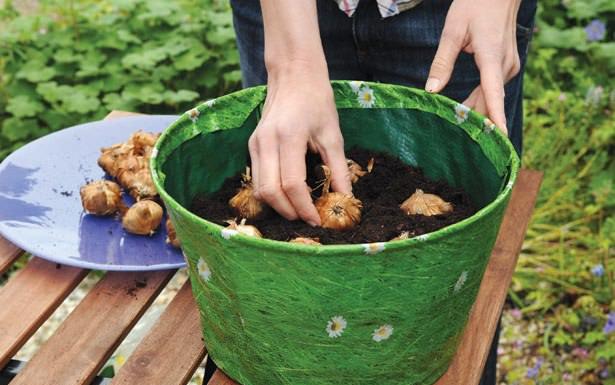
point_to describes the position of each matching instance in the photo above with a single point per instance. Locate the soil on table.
(381, 192)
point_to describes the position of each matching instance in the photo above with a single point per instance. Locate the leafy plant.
(74, 61)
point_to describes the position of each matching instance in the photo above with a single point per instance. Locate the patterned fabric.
(387, 7)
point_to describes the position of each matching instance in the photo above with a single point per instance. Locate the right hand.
(299, 111)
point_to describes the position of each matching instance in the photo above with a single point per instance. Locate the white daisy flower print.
(193, 114)
(227, 233)
(209, 103)
(373, 248)
(336, 326)
(422, 237)
(461, 113)
(355, 85)
(366, 97)
(488, 125)
(382, 333)
(461, 281)
(204, 271)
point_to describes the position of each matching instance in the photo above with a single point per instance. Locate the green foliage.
(72, 62)
(570, 135)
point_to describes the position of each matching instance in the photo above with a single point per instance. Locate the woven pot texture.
(277, 313)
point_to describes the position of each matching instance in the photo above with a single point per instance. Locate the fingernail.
(312, 223)
(432, 84)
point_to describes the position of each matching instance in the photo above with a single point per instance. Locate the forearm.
(292, 38)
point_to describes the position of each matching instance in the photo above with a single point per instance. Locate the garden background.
(69, 62)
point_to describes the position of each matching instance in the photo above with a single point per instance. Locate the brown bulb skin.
(142, 218)
(338, 211)
(421, 203)
(102, 197)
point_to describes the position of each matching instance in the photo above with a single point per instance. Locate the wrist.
(293, 70)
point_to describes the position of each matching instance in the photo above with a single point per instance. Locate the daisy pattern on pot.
(193, 114)
(227, 233)
(461, 281)
(422, 237)
(209, 103)
(382, 333)
(336, 326)
(488, 125)
(373, 248)
(355, 85)
(203, 269)
(461, 113)
(366, 97)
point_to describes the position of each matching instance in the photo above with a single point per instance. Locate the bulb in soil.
(102, 197)
(244, 229)
(171, 234)
(337, 211)
(111, 156)
(244, 203)
(142, 218)
(402, 236)
(421, 203)
(142, 186)
(306, 241)
(370, 165)
(355, 170)
(143, 142)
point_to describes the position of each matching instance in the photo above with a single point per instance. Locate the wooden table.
(173, 349)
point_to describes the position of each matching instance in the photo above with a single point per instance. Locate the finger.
(492, 86)
(471, 100)
(293, 175)
(253, 148)
(332, 153)
(269, 188)
(443, 63)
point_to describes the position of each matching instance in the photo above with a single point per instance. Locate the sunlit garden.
(68, 62)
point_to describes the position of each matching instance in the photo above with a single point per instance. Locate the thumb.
(444, 61)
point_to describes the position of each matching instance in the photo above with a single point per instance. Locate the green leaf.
(196, 55)
(80, 102)
(593, 337)
(24, 106)
(36, 72)
(572, 38)
(177, 97)
(66, 55)
(15, 129)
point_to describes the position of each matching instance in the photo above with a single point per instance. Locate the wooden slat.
(29, 298)
(120, 114)
(83, 343)
(8, 254)
(469, 361)
(178, 332)
(219, 378)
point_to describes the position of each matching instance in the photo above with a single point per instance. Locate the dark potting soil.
(381, 192)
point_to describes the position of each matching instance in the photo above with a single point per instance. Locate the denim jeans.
(396, 50)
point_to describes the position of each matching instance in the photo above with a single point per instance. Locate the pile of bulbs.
(338, 211)
(128, 163)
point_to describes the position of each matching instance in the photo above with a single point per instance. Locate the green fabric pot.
(383, 313)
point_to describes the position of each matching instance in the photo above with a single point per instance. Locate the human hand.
(487, 29)
(299, 109)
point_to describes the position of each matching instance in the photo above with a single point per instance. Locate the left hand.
(487, 29)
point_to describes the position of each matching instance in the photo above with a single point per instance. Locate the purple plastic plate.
(40, 207)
